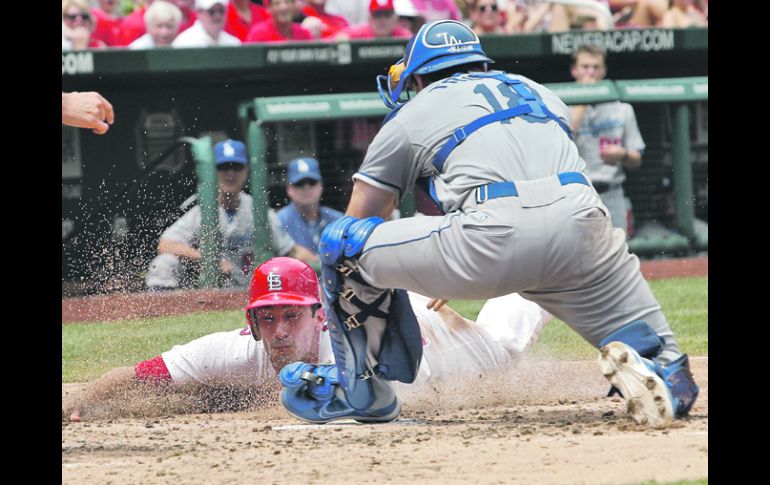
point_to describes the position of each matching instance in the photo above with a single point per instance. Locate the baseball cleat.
(648, 399)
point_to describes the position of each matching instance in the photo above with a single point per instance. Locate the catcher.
(286, 323)
(495, 151)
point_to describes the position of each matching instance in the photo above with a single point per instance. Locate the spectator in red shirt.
(77, 26)
(382, 23)
(108, 22)
(242, 15)
(281, 26)
(319, 22)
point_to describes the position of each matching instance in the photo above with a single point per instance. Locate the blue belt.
(508, 189)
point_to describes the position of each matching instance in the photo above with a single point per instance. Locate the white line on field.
(342, 423)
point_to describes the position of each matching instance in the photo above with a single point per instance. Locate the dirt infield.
(542, 422)
(539, 421)
(145, 305)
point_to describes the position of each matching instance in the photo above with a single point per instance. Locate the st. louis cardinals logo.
(274, 282)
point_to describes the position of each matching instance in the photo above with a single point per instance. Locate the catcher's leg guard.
(312, 394)
(350, 303)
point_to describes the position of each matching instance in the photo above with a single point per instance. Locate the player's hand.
(87, 110)
(613, 154)
(74, 415)
(436, 304)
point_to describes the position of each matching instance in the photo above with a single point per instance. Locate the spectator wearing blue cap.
(177, 264)
(304, 219)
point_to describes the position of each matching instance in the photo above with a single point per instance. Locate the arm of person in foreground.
(87, 110)
(182, 250)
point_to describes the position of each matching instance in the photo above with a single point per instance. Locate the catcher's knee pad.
(640, 336)
(400, 350)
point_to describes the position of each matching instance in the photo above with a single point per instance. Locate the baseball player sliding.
(495, 152)
(286, 324)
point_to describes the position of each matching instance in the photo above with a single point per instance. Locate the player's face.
(289, 332)
(306, 192)
(232, 177)
(588, 68)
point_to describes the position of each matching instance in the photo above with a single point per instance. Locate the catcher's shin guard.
(348, 337)
(386, 347)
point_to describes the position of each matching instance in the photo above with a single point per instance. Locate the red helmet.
(281, 281)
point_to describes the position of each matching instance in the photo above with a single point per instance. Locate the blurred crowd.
(147, 24)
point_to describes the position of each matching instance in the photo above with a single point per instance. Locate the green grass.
(90, 349)
(684, 302)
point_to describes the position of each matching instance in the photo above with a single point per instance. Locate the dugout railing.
(277, 129)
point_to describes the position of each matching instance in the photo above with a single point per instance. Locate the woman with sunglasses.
(486, 17)
(77, 26)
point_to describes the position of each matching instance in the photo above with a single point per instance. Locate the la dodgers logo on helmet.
(274, 282)
(436, 46)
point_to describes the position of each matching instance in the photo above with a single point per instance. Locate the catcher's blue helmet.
(436, 46)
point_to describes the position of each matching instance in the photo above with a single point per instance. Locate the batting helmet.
(281, 281)
(436, 46)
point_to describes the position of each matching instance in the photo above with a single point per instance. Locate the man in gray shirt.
(607, 137)
(495, 152)
(178, 248)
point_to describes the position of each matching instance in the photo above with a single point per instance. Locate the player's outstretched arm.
(109, 385)
(87, 110)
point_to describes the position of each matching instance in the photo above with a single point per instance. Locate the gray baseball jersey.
(552, 242)
(607, 124)
(516, 149)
